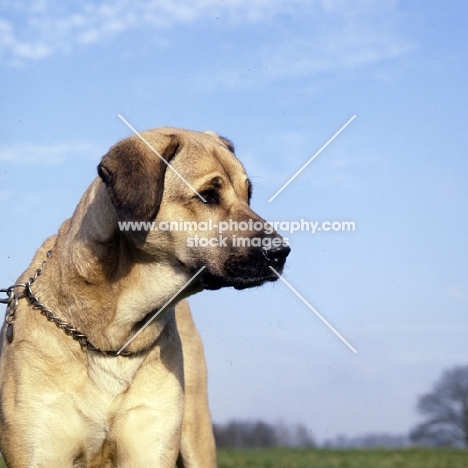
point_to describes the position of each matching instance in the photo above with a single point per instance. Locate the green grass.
(320, 458)
(286, 458)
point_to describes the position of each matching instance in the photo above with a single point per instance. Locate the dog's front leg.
(147, 424)
(147, 438)
(197, 446)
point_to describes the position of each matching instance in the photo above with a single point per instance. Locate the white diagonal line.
(313, 310)
(160, 310)
(162, 159)
(312, 158)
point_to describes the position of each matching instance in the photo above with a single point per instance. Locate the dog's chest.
(105, 392)
(112, 376)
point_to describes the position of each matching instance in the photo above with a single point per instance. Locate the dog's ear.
(134, 175)
(228, 143)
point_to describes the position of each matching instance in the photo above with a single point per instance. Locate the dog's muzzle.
(247, 267)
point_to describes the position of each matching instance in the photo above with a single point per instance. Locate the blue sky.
(279, 78)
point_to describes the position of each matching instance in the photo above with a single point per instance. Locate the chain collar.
(13, 298)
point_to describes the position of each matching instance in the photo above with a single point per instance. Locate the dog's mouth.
(213, 281)
(245, 271)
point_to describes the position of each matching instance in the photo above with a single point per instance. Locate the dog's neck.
(109, 292)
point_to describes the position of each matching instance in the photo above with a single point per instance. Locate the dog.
(101, 364)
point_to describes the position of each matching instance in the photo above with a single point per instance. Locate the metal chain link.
(12, 300)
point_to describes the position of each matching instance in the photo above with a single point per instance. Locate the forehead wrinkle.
(209, 181)
(224, 163)
(232, 167)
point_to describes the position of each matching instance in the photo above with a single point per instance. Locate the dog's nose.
(277, 255)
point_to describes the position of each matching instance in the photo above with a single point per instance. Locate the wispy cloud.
(32, 154)
(33, 30)
(326, 42)
(342, 34)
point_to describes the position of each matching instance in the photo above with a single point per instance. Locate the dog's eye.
(211, 197)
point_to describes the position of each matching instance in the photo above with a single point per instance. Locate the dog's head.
(188, 197)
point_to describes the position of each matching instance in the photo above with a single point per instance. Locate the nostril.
(278, 254)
